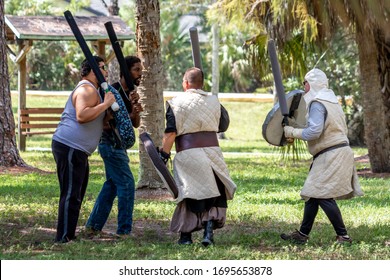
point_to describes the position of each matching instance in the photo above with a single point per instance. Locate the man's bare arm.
(168, 140)
(87, 103)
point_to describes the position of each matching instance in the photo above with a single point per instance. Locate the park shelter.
(22, 31)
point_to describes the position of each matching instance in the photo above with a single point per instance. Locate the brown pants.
(184, 220)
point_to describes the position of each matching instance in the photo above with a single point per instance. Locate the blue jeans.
(119, 182)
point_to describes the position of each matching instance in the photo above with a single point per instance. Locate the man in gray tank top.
(75, 138)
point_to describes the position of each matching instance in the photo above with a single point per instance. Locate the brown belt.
(196, 140)
(330, 149)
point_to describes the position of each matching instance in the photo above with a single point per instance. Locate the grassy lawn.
(266, 203)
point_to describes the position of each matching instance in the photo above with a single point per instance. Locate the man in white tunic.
(332, 174)
(193, 120)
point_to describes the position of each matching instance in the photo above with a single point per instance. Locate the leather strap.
(329, 149)
(196, 140)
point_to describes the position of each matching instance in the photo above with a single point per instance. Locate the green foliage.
(28, 7)
(76, 5)
(175, 48)
(127, 13)
(49, 64)
(292, 25)
(341, 63)
(244, 65)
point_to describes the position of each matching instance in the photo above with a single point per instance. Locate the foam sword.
(279, 86)
(88, 55)
(196, 57)
(121, 60)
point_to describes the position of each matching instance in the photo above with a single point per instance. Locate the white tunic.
(197, 111)
(333, 173)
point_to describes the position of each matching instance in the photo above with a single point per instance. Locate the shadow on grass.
(151, 239)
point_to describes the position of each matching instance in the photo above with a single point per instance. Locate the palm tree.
(150, 90)
(113, 67)
(9, 154)
(317, 20)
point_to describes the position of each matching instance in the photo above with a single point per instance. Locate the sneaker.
(343, 239)
(296, 237)
(65, 240)
(122, 236)
(90, 232)
(185, 238)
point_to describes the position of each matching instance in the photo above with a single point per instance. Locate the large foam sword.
(88, 55)
(279, 85)
(196, 57)
(119, 56)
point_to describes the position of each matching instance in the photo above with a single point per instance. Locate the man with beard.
(119, 179)
(332, 174)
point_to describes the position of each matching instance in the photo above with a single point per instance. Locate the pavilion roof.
(56, 28)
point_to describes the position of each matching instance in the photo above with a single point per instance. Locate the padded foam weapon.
(88, 55)
(119, 56)
(196, 57)
(278, 79)
(278, 84)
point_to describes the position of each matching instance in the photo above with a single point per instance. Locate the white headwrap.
(318, 87)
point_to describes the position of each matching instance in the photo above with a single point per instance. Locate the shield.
(160, 166)
(273, 131)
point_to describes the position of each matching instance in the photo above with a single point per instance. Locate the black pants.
(72, 172)
(331, 210)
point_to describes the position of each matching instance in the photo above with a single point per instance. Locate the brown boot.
(343, 239)
(296, 237)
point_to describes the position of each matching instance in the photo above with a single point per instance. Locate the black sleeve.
(224, 120)
(170, 119)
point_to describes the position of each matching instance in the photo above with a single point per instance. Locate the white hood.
(318, 87)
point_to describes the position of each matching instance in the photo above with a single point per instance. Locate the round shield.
(273, 131)
(160, 166)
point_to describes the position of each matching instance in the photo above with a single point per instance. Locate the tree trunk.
(9, 154)
(150, 89)
(375, 75)
(113, 66)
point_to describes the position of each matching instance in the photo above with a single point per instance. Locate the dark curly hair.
(130, 61)
(86, 68)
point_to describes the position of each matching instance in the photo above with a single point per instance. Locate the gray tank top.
(80, 136)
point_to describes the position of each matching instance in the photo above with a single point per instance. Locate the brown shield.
(160, 166)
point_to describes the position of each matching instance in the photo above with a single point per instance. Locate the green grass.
(266, 203)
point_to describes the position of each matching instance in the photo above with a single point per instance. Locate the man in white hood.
(332, 173)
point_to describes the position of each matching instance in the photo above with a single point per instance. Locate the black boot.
(185, 238)
(208, 236)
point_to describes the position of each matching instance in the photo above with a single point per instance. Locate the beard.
(137, 81)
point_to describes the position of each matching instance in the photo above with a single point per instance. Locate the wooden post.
(100, 48)
(22, 81)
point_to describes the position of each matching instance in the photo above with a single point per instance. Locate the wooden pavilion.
(22, 31)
